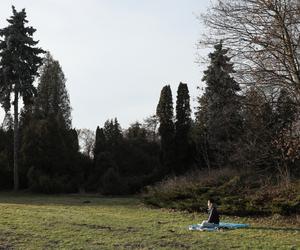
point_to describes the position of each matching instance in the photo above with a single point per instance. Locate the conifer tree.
(117, 129)
(19, 65)
(202, 154)
(113, 132)
(6, 157)
(53, 152)
(100, 142)
(164, 112)
(53, 98)
(182, 128)
(224, 122)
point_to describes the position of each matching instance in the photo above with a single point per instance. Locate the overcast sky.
(117, 54)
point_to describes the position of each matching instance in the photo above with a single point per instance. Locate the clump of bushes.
(235, 193)
(43, 183)
(113, 183)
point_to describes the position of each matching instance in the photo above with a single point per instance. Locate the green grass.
(66, 222)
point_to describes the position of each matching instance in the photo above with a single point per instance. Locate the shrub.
(43, 183)
(235, 193)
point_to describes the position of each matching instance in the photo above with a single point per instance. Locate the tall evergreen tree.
(164, 112)
(101, 156)
(117, 130)
(53, 97)
(182, 128)
(100, 142)
(49, 146)
(113, 132)
(222, 113)
(200, 135)
(19, 65)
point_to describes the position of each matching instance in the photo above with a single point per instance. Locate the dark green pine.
(19, 65)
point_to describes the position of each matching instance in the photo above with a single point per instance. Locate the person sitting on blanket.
(213, 218)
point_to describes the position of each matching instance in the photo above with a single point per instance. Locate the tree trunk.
(16, 140)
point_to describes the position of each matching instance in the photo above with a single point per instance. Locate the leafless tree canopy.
(86, 139)
(264, 39)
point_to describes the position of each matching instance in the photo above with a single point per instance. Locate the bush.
(42, 183)
(235, 194)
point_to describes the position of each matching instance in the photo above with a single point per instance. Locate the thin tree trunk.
(16, 140)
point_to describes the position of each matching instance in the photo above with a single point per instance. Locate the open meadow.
(90, 222)
(124, 122)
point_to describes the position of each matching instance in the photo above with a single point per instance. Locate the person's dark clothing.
(213, 216)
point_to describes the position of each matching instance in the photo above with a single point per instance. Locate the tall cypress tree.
(222, 111)
(19, 65)
(164, 112)
(182, 128)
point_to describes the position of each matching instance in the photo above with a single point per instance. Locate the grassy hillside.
(90, 222)
(236, 193)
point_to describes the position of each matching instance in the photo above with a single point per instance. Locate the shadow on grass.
(292, 229)
(68, 200)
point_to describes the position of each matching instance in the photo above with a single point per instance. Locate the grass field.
(70, 222)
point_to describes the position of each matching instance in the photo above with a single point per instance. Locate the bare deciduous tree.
(86, 139)
(151, 124)
(264, 38)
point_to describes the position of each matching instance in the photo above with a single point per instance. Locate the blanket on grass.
(222, 225)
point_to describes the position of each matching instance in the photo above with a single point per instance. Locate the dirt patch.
(174, 245)
(163, 222)
(94, 226)
(131, 229)
(133, 245)
(52, 244)
(107, 228)
(5, 246)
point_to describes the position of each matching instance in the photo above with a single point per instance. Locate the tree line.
(251, 127)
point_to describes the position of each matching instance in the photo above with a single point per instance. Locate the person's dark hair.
(211, 200)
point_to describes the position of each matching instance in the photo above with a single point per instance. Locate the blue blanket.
(222, 225)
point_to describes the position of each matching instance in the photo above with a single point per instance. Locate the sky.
(118, 54)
